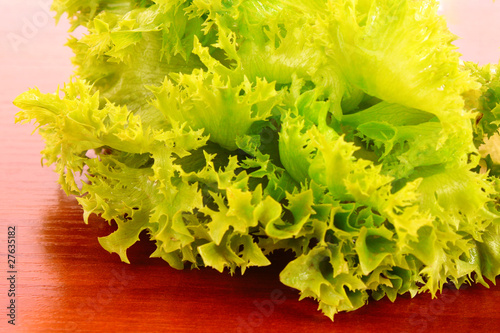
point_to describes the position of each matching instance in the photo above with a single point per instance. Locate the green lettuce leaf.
(347, 132)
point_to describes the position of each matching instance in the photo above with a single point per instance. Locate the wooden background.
(67, 282)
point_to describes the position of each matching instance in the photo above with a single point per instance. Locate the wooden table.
(66, 282)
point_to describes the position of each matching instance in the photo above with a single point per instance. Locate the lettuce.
(227, 130)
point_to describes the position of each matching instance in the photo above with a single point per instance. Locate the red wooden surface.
(67, 282)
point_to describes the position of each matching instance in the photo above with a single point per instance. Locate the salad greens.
(345, 131)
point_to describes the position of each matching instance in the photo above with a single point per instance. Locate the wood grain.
(67, 282)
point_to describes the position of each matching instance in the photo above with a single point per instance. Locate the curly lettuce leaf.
(227, 130)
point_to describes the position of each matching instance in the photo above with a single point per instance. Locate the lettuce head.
(344, 131)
